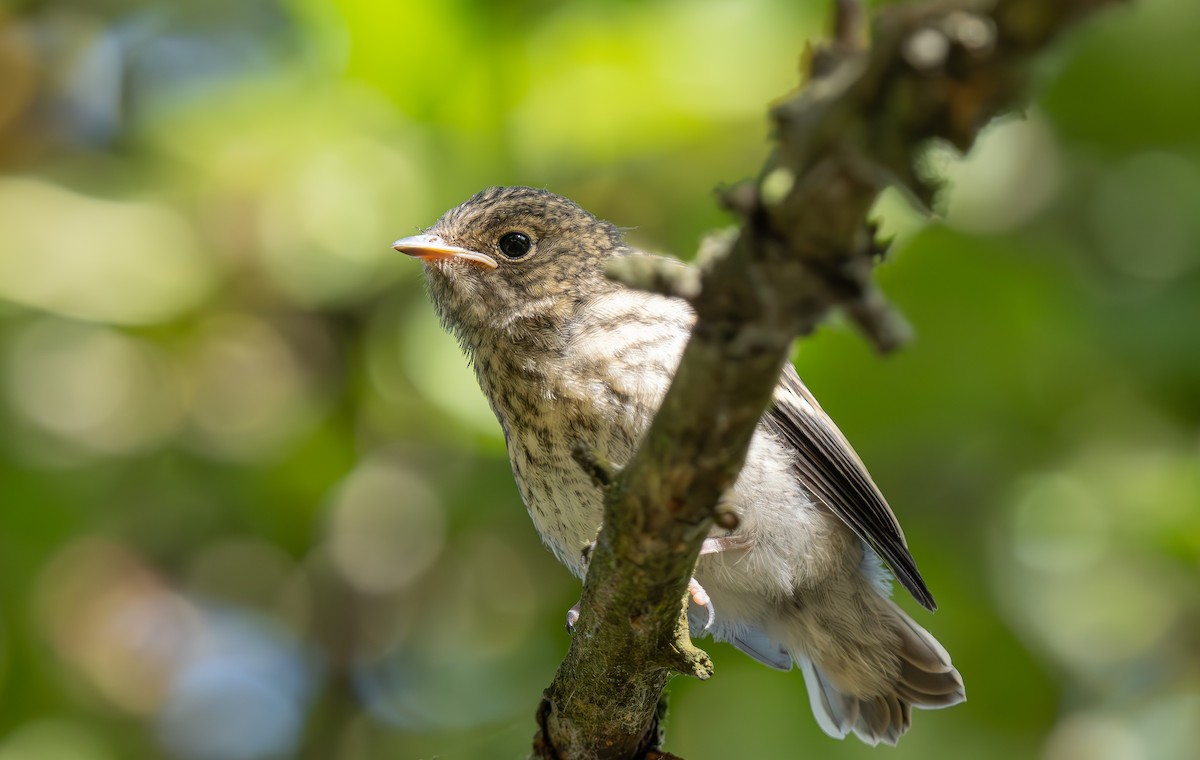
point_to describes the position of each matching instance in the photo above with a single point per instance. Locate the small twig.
(600, 470)
(656, 274)
(886, 327)
(849, 25)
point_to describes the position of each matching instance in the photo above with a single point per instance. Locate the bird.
(566, 357)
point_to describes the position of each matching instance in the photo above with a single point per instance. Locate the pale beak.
(430, 247)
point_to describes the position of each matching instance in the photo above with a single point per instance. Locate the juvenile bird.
(565, 355)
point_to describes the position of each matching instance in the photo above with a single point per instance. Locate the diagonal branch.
(935, 71)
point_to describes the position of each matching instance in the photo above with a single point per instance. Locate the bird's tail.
(872, 693)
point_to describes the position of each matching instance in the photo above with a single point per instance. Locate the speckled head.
(513, 259)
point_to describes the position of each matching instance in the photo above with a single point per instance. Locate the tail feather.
(924, 678)
(835, 712)
(929, 690)
(883, 719)
(918, 647)
(927, 676)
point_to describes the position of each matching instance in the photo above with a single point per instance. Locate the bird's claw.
(695, 590)
(715, 546)
(701, 598)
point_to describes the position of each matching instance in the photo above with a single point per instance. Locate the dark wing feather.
(829, 468)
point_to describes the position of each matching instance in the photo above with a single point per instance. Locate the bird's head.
(513, 259)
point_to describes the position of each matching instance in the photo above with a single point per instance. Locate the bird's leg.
(585, 555)
(714, 546)
(725, 544)
(697, 592)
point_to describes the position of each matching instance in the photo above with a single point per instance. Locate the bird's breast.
(600, 389)
(543, 425)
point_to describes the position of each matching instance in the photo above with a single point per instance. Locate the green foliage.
(252, 504)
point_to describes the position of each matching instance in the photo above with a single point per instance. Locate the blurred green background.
(253, 506)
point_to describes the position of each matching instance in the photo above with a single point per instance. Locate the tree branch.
(935, 71)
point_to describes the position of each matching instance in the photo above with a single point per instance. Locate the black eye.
(515, 245)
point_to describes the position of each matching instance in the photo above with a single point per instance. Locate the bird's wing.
(829, 468)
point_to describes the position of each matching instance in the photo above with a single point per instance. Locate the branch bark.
(935, 71)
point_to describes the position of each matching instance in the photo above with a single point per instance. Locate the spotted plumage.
(564, 355)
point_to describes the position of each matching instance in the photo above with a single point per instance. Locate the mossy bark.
(805, 246)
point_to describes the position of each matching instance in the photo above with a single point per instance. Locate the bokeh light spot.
(92, 386)
(386, 528)
(249, 393)
(1093, 737)
(130, 262)
(325, 230)
(241, 695)
(1059, 526)
(437, 368)
(117, 622)
(1011, 174)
